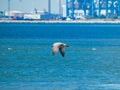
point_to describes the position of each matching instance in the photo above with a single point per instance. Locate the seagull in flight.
(58, 46)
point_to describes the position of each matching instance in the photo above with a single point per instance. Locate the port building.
(93, 8)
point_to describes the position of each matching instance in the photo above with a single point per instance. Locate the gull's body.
(58, 46)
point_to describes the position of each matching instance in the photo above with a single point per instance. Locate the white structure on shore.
(30, 16)
(14, 14)
(18, 15)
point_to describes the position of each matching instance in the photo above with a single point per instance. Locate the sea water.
(92, 62)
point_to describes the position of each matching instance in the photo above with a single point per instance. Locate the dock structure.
(108, 8)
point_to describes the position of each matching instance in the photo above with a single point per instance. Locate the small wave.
(10, 48)
(94, 49)
(110, 86)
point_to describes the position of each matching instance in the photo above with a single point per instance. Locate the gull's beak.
(67, 45)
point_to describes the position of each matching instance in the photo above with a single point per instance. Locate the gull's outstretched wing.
(62, 51)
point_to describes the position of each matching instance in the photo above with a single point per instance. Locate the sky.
(30, 5)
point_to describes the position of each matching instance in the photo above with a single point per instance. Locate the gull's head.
(59, 44)
(66, 45)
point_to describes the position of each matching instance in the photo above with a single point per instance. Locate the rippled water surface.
(89, 64)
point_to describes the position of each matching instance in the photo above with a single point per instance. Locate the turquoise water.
(28, 64)
(92, 62)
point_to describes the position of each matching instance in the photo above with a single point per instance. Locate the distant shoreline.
(91, 21)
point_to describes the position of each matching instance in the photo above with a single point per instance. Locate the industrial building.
(93, 8)
(34, 15)
(73, 9)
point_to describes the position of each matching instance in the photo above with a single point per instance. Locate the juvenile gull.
(59, 46)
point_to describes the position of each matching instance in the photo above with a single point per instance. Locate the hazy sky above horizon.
(30, 5)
